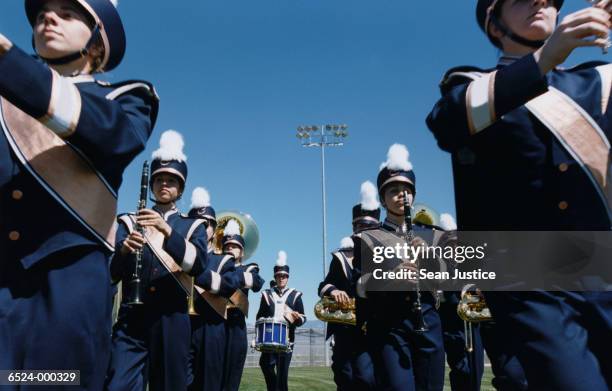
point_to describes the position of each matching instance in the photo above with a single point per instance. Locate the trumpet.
(328, 310)
(472, 308)
(421, 326)
(191, 300)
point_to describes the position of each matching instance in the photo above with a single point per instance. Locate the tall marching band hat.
(346, 244)
(169, 158)
(200, 206)
(231, 234)
(107, 27)
(397, 168)
(368, 210)
(489, 12)
(281, 266)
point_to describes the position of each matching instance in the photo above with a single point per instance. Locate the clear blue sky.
(237, 77)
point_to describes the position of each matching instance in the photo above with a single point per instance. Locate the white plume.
(170, 147)
(232, 228)
(369, 196)
(397, 158)
(115, 3)
(200, 198)
(346, 242)
(282, 258)
(447, 222)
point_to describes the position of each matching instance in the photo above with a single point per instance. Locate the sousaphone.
(248, 231)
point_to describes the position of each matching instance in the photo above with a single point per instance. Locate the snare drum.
(272, 335)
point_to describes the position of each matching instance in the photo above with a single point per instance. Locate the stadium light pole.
(324, 136)
(314, 136)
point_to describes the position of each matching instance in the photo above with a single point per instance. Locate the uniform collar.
(391, 226)
(279, 291)
(82, 79)
(507, 59)
(167, 214)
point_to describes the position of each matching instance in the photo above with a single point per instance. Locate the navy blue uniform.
(403, 358)
(55, 294)
(157, 332)
(532, 183)
(351, 363)
(208, 339)
(236, 333)
(273, 304)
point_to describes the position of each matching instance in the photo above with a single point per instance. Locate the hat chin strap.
(76, 55)
(515, 37)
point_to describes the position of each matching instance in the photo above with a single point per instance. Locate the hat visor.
(233, 242)
(169, 170)
(397, 178)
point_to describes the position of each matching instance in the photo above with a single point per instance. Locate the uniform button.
(17, 194)
(14, 235)
(563, 205)
(152, 289)
(563, 167)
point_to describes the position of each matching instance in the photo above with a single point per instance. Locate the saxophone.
(328, 310)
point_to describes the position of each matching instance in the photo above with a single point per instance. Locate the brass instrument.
(472, 308)
(423, 214)
(328, 310)
(190, 301)
(420, 326)
(248, 231)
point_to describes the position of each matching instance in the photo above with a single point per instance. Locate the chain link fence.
(308, 351)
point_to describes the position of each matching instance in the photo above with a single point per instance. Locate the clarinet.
(134, 286)
(421, 326)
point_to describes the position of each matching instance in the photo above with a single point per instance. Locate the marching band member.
(219, 280)
(502, 127)
(366, 214)
(201, 209)
(280, 302)
(461, 374)
(404, 357)
(351, 363)
(238, 310)
(157, 331)
(54, 290)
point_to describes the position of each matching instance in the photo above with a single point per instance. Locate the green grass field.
(319, 379)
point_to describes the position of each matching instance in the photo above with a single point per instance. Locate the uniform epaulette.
(584, 65)
(137, 87)
(458, 75)
(122, 87)
(126, 214)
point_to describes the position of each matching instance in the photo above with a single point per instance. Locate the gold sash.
(218, 303)
(155, 240)
(241, 301)
(580, 135)
(62, 172)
